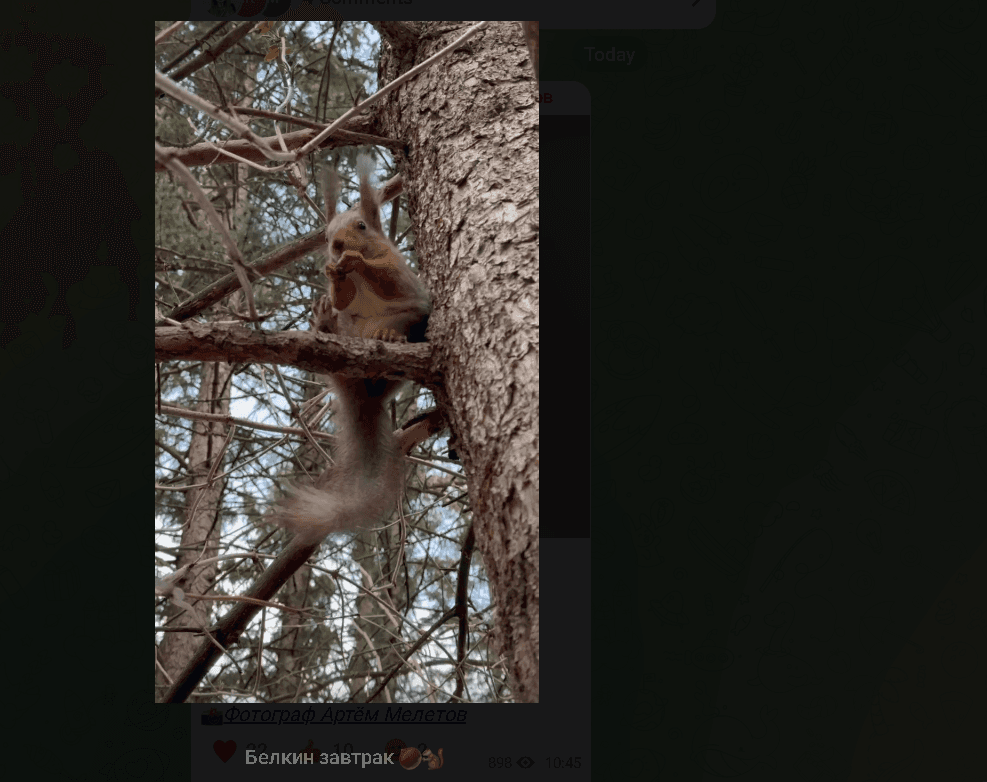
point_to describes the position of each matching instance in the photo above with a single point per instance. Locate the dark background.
(788, 383)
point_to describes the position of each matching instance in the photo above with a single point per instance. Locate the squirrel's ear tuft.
(369, 197)
(330, 191)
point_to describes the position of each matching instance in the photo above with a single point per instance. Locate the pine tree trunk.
(471, 128)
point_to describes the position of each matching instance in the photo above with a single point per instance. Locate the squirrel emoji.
(434, 761)
(372, 294)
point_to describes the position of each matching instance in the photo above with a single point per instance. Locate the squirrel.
(434, 761)
(372, 294)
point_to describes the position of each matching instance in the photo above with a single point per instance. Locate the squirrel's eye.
(361, 225)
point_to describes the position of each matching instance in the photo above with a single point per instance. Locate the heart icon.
(224, 749)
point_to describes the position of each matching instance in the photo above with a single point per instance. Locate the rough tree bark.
(471, 128)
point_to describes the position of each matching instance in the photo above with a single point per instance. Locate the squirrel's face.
(358, 235)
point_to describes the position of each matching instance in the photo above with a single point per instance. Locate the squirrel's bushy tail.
(364, 482)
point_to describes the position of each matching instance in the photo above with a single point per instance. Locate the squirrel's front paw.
(349, 261)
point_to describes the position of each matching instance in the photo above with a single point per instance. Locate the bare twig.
(314, 143)
(165, 34)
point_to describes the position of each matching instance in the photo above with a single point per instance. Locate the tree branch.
(205, 153)
(312, 351)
